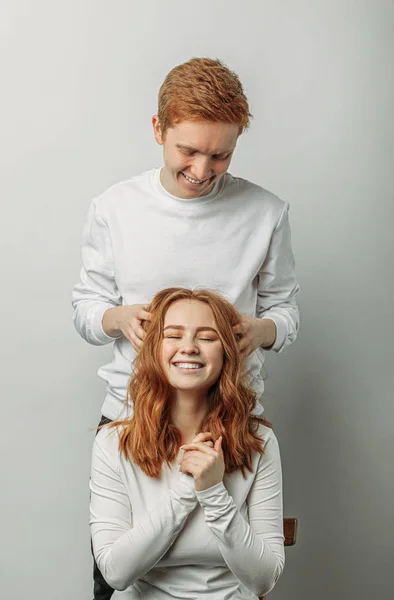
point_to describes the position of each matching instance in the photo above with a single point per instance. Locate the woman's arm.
(124, 550)
(253, 551)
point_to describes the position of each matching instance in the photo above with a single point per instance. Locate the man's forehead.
(207, 138)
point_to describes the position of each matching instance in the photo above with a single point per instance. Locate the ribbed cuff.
(213, 492)
(95, 325)
(184, 490)
(281, 330)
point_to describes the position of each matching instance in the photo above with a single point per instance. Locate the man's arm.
(278, 287)
(96, 292)
(277, 321)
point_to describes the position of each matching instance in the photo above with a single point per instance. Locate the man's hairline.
(173, 124)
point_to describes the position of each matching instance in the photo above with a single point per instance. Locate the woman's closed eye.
(201, 339)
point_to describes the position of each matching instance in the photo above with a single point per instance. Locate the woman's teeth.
(188, 365)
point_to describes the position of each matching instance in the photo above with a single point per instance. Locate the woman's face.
(192, 352)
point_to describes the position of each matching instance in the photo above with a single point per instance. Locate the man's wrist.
(268, 333)
(110, 323)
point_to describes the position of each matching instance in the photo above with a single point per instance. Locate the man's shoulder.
(125, 190)
(253, 193)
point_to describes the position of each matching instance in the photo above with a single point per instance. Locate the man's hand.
(254, 333)
(203, 463)
(127, 321)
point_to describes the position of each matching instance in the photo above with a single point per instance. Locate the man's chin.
(190, 191)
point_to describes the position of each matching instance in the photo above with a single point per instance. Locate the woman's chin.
(190, 386)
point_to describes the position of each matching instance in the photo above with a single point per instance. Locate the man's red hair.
(148, 438)
(202, 89)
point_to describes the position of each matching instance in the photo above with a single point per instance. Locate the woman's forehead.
(189, 313)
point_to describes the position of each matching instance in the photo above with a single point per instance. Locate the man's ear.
(157, 129)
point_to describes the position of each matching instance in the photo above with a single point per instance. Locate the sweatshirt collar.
(186, 202)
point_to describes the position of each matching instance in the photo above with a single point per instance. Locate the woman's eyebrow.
(182, 328)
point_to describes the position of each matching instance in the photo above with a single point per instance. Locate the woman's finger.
(190, 463)
(218, 445)
(195, 454)
(204, 436)
(198, 446)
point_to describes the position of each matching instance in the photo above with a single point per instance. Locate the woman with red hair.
(186, 494)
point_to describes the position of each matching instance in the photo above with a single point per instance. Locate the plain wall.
(79, 83)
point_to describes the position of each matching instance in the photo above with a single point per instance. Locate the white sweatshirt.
(159, 539)
(139, 239)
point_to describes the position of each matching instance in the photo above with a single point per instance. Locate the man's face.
(196, 155)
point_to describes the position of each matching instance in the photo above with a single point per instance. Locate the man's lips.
(194, 181)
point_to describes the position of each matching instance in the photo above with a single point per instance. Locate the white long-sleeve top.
(138, 239)
(159, 539)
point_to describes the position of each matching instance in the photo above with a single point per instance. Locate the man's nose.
(202, 168)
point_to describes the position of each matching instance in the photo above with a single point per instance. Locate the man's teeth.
(188, 365)
(194, 180)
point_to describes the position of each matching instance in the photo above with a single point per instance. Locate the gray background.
(79, 82)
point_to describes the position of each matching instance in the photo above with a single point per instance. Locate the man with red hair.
(187, 224)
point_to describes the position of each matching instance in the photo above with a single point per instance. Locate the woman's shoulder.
(107, 441)
(268, 436)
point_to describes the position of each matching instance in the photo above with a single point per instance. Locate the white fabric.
(138, 239)
(159, 539)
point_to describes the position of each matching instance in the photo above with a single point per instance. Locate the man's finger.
(243, 344)
(137, 343)
(140, 333)
(128, 334)
(238, 328)
(143, 315)
(247, 351)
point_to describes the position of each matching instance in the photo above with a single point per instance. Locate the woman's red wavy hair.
(148, 438)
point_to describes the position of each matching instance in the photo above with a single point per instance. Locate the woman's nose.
(190, 348)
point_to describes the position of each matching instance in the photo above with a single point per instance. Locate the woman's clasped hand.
(203, 460)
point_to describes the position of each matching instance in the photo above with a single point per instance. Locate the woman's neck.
(188, 412)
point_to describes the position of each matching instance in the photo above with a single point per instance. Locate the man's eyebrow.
(182, 328)
(191, 149)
